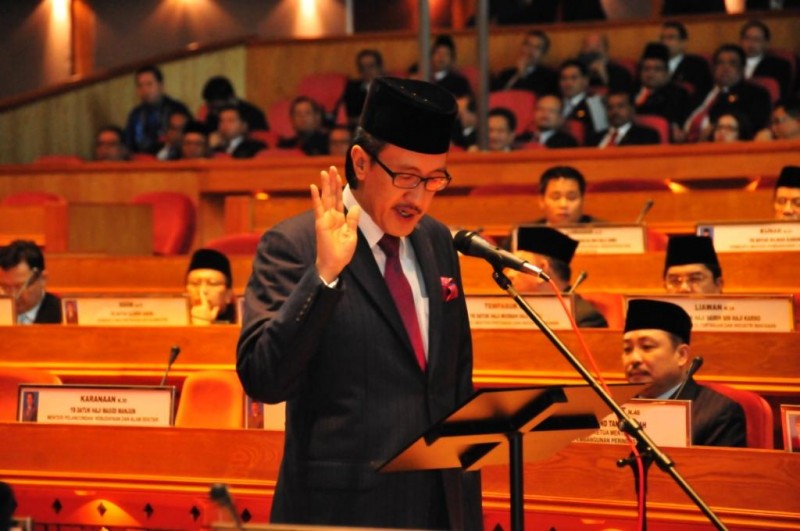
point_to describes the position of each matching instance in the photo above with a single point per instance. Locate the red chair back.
(279, 120)
(770, 85)
(174, 221)
(577, 130)
(656, 241)
(10, 379)
(521, 102)
(211, 399)
(757, 413)
(610, 305)
(270, 138)
(325, 88)
(659, 123)
(31, 199)
(232, 244)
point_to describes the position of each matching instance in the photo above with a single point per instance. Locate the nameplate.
(260, 416)
(790, 424)
(765, 236)
(7, 315)
(734, 313)
(134, 310)
(96, 405)
(668, 422)
(491, 312)
(607, 239)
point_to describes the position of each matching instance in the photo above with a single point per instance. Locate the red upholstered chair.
(771, 86)
(659, 123)
(610, 305)
(174, 221)
(505, 189)
(211, 399)
(31, 199)
(10, 379)
(758, 414)
(656, 241)
(242, 243)
(325, 88)
(270, 138)
(520, 102)
(202, 113)
(279, 119)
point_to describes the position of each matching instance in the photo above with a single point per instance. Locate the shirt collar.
(668, 393)
(371, 231)
(623, 130)
(674, 62)
(30, 316)
(575, 100)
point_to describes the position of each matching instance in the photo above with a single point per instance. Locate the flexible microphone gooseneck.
(470, 244)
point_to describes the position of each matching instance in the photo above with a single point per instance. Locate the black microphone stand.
(645, 445)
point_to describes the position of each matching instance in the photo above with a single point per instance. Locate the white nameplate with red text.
(134, 310)
(494, 312)
(667, 422)
(106, 405)
(764, 236)
(7, 315)
(607, 239)
(734, 313)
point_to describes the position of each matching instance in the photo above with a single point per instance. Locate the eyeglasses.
(409, 181)
(693, 279)
(782, 201)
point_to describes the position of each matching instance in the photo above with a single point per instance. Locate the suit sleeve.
(287, 307)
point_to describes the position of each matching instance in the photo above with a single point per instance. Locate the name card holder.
(790, 424)
(126, 310)
(8, 314)
(734, 313)
(497, 312)
(761, 236)
(668, 422)
(608, 238)
(106, 405)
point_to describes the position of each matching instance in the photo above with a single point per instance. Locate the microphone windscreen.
(463, 240)
(219, 494)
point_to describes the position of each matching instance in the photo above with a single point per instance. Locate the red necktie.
(612, 140)
(402, 295)
(642, 97)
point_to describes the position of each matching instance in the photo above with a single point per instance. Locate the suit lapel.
(426, 258)
(365, 272)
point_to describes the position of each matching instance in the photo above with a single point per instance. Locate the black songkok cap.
(790, 177)
(410, 114)
(546, 241)
(646, 314)
(211, 259)
(656, 50)
(683, 250)
(195, 127)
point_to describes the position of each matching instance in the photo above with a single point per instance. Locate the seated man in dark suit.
(23, 278)
(754, 38)
(194, 144)
(529, 73)
(691, 265)
(603, 71)
(443, 65)
(552, 251)
(370, 65)
(548, 122)
(561, 193)
(685, 69)
(218, 92)
(730, 93)
(657, 95)
(623, 131)
(577, 103)
(309, 136)
(233, 135)
(656, 352)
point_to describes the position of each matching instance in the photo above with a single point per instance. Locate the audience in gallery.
(109, 145)
(786, 200)
(147, 122)
(218, 93)
(623, 130)
(369, 64)
(529, 73)
(209, 283)
(691, 266)
(657, 94)
(685, 69)
(310, 137)
(443, 67)
(754, 38)
(784, 124)
(731, 127)
(231, 138)
(194, 142)
(578, 104)
(501, 126)
(547, 125)
(604, 73)
(339, 140)
(23, 278)
(656, 352)
(171, 150)
(465, 132)
(552, 251)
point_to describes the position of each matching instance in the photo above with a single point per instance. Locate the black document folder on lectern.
(476, 434)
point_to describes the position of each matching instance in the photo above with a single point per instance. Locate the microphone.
(470, 244)
(173, 355)
(583, 275)
(645, 209)
(697, 362)
(219, 494)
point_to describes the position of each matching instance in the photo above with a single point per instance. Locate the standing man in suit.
(754, 38)
(655, 351)
(354, 316)
(623, 131)
(23, 278)
(685, 69)
(529, 73)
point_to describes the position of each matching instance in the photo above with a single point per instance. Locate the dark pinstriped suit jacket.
(355, 396)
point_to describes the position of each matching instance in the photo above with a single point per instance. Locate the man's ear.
(683, 356)
(360, 159)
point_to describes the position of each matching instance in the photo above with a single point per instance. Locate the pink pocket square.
(449, 289)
